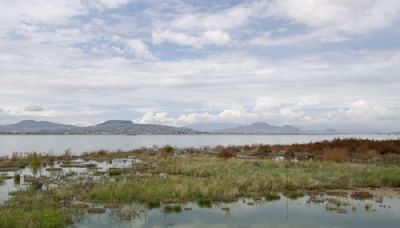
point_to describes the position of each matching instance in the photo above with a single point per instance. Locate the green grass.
(44, 217)
(35, 209)
(211, 178)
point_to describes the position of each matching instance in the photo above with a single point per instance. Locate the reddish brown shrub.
(166, 150)
(228, 152)
(336, 155)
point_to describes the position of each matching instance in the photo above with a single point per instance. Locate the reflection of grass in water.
(204, 203)
(172, 209)
(293, 194)
(96, 210)
(153, 204)
(269, 196)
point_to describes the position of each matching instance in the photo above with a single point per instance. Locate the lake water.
(249, 213)
(57, 144)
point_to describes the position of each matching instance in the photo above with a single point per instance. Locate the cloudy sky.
(309, 63)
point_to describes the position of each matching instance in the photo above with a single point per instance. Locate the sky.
(310, 63)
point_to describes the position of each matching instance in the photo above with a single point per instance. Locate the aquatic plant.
(17, 178)
(166, 150)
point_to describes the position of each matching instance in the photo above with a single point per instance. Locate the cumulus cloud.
(276, 113)
(328, 21)
(111, 3)
(139, 48)
(309, 38)
(229, 115)
(215, 37)
(347, 16)
(361, 111)
(50, 12)
(228, 18)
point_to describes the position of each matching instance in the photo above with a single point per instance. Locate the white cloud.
(347, 16)
(306, 39)
(139, 48)
(20, 12)
(309, 101)
(209, 37)
(278, 113)
(228, 18)
(328, 21)
(228, 115)
(361, 111)
(52, 56)
(39, 11)
(39, 112)
(111, 3)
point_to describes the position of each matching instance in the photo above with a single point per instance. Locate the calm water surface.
(57, 144)
(248, 213)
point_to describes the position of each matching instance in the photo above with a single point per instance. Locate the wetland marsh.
(339, 183)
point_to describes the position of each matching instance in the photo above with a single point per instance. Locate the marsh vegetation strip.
(56, 144)
(69, 189)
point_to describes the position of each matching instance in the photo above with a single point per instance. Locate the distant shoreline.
(339, 134)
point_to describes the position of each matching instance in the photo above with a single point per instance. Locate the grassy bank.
(215, 178)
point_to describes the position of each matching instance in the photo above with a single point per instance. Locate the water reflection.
(308, 211)
(57, 173)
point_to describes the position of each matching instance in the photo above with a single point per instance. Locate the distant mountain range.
(108, 127)
(131, 128)
(265, 128)
(261, 128)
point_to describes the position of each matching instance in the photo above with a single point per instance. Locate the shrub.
(228, 152)
(336, 155)
(166, 150)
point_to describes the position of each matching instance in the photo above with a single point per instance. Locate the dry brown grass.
(228, 152)
(336, 155)
(166, 150)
